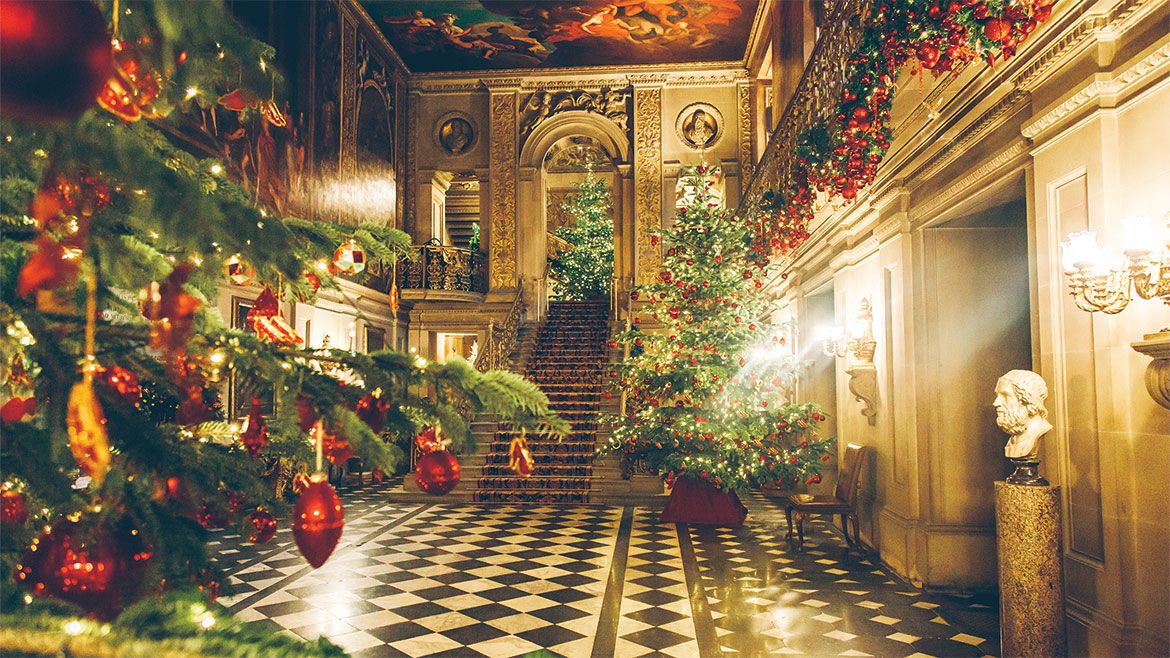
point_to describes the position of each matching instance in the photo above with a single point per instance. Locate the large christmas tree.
(584, 270)
(703, 382)
(119, 224)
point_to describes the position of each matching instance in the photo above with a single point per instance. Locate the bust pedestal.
(1031, 570)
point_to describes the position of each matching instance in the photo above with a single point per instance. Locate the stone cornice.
(1101, 89)
(1076, 38)
(964, 185)
(374, 34)
(569, 82)
(993, 118)
(501, 85)
(648, 79)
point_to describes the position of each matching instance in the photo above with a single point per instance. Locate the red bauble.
(377, 475)
(928, 54)
(306, 414)
(317, 521)
(123, 382)
(54, 58)
(437, 472)
(96, 568)
(373, 412)
(13, 508)
(255, 434)
(996, 29)
(263, 526)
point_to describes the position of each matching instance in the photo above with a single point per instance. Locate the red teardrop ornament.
(317, 521)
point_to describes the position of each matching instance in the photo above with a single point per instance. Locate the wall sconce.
(859, 342)
(1100, 281)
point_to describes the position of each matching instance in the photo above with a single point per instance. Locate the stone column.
(502, 174)
(647, 171)
(1031, 571)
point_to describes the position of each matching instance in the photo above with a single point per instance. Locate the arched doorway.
(554, 156)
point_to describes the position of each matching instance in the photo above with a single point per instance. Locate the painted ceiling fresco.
(476, 35)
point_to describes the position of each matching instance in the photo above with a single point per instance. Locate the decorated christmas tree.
(584, 268)
(702, 387)
(137, 178)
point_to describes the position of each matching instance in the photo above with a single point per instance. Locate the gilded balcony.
(444, 272)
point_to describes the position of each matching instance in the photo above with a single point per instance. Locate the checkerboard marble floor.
(459, 579)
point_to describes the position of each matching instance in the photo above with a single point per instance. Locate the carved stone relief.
(455, 133)
(699, 126)
(647, 177)
(502, 176)
(540, 105)
(578, 154)
(743, 94)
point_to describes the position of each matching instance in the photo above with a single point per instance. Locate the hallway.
(504, 580)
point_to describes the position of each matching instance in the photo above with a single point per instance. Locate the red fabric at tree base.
(701, 503)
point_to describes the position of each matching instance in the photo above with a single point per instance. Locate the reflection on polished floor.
(449, 579)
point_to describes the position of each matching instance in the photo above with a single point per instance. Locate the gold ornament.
(237, 271)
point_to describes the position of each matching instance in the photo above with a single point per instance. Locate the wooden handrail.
(501, 338)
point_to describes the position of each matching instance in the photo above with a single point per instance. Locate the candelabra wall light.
(1101, 281)
(858, 341)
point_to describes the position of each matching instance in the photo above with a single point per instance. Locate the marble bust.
(1020, 411)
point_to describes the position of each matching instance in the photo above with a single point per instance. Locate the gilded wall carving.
(411, 163)
(349, 94)
(743, 95)
(540, 105)
(647, 177)
(557, 217)
(502, 174)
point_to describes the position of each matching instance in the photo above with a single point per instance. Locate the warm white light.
(1142, 235)
(192, 92)
(74, 627)
(207, 622)
(1081, 252)
(368, 195)
(830, 332)
(217, 169)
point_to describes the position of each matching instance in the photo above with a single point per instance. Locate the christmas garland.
(840, 155)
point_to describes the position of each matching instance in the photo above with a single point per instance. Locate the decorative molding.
(647, 79)
(743, 104)
(647, 178)
(993, 118)
(580, 71)
(1100, 89)
(541, 104)
(501, 84)
(1074, 39)
(690, 136)
(502, 177)
(962, 186)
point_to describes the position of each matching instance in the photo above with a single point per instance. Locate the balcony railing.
(816, 97)
(443, 267)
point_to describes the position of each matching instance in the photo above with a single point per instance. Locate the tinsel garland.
(840, 155)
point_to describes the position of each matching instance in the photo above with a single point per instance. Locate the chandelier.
(1101, 281)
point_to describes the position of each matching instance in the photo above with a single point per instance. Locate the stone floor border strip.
(705, 634)
(605, 640)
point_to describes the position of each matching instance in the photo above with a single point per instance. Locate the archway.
(560, 144)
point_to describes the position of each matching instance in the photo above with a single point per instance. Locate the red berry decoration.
(54, 58)
(928, 55)
(263, 526)
(18, 409)
(123, 382)
(428, 441)
(437, 472)
(317, 520)
(96, 568)
(13, 507)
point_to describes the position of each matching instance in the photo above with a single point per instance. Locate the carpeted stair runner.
(569, 365)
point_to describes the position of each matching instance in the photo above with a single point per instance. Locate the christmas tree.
(584, 269)
(702, 387)
(119, 224)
